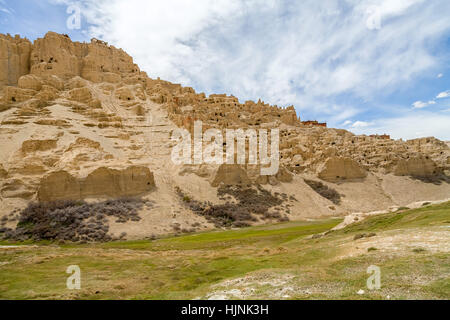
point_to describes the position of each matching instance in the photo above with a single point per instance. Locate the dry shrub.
(252, 202)
(73, 220)
(324, 191)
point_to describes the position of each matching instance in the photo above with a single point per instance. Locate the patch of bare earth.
(400, 242)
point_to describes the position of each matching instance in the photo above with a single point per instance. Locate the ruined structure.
(383, 136)
(80, 120)
(102, 182)
(314, 123)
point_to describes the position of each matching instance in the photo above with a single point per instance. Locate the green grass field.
(281, 261)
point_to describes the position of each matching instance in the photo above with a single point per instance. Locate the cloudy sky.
(375, 66)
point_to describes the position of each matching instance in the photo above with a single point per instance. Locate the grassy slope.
(187, 267)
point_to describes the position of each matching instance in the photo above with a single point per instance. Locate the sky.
(368, 66)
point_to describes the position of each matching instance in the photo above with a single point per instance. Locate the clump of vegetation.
(73, 220)
(436, 179)
(324, 191)
(364, 235)
(372, 249)
(419, 250)
(252, 202)
(359, 236)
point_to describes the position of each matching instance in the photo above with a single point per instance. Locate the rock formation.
(417, 167)
(103, 182)
(80, 120)
(230, 175)
(3, 172)
(14, 59)
(336, 169)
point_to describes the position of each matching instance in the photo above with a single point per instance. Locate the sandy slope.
(78, 126)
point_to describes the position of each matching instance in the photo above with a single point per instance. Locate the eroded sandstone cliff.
(81, 121)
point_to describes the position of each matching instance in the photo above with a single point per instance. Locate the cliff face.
(80, 120)
(14, 59)
(57, 55)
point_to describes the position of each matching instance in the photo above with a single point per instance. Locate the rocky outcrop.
(68, 107)
(118, 183)
(125, 94)
(59, 186)
(47, 94)
(30, 146)
(284, 175)
(336, 169)
(103, 182)
(303, 147)
(54, 67)
(83, 95)
(13, 94)
(16, 188)
(105, 63)
(84, 143)
(3, 172)
(57, 55)
(54, 81)
(230, 175)
(14, 59)
(416, 167)
(30, 82)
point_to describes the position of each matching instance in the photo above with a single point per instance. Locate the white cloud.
(347, 123)
(4, 8)
(396, 7)
(360, 124)
(421, 104)
(303, 53)
(410, 127)
(440, 75)
(443, 95)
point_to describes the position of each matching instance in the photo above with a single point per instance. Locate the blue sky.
(369, 66)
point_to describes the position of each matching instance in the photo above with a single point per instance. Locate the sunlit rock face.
(336, 169)
(81, 121)
(418, 167)
(102, 182)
